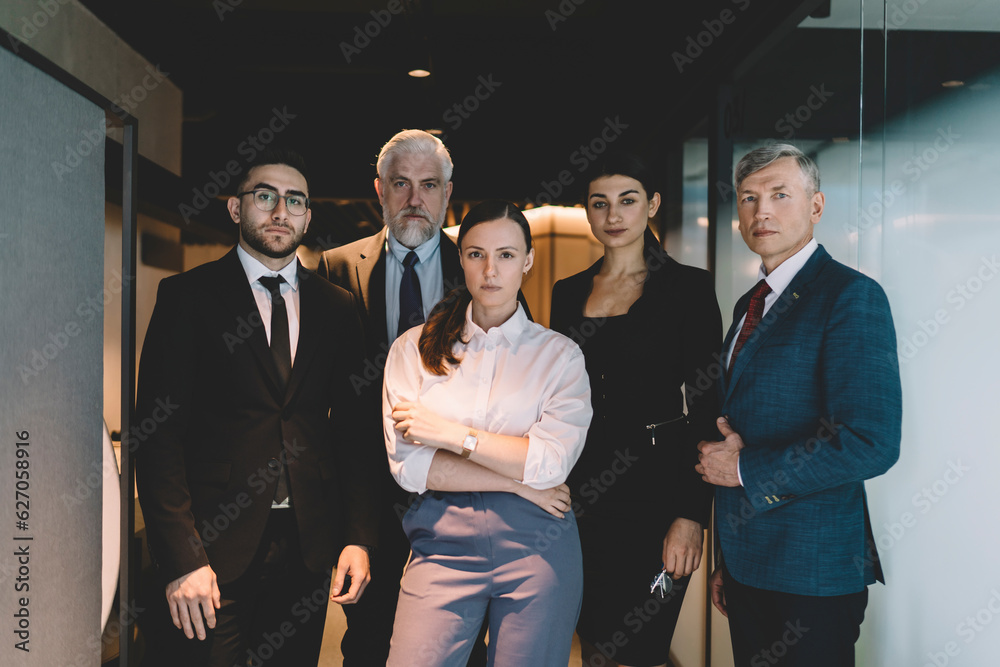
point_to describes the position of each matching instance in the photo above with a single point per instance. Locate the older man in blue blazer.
(812, 407)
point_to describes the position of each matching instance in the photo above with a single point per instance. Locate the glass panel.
(690, 244)
(928, 229)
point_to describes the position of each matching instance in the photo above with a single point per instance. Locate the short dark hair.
(275, 155)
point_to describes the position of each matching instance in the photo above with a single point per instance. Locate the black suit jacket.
(669, 338)
(359, 267)
(216, 421)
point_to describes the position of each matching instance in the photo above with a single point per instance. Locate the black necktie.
(281, 348)
(754, 314)
(411, 306)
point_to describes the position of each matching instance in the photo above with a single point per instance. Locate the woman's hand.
(555, 501)
(682, 547)
(425, 427)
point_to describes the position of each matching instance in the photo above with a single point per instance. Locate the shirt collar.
(424, 250)
(511, 329)
(779, 279)
(254, 269)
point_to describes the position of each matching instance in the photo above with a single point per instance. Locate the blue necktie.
(411, 306)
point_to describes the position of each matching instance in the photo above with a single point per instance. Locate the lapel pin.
(795, 295)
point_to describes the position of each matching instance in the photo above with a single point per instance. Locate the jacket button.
(274, 465)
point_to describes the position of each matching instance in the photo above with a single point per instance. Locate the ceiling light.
(953, 84)
(419, 73)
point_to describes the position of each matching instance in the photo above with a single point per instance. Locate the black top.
(637, 364)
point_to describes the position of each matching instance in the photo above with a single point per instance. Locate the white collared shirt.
(290, 272)
(428, 272)
(517, 379)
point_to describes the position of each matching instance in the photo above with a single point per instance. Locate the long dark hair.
(447, 320)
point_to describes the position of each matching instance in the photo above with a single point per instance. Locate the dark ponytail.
(447, 320)
(444, 329)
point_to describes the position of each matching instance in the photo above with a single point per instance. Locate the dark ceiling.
(519, 88)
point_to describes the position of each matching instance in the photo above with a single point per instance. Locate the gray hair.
(763, 156)
(414, 142)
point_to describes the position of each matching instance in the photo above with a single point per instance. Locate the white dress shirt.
(428, 272)
(289, 291)
(517, 379)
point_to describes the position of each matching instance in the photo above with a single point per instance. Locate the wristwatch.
(470, 443)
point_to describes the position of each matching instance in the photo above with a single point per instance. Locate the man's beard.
(257, 239)
(412, 233)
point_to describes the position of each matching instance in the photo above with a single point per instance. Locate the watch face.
(470, 442)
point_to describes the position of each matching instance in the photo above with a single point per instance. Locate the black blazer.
(214, 422)
(673, 333)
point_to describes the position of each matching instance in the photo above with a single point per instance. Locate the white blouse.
(517, 379)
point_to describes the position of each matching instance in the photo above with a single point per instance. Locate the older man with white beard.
(396, 276)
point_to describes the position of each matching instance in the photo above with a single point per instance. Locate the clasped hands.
(422, 426)
(718, 461)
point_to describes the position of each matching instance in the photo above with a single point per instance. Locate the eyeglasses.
(662, 585)
(267, 200)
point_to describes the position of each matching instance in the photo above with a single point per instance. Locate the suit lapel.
(236, 296)
(797, 291)
(370, 274)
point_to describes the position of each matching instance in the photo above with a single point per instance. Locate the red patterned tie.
(754, 313)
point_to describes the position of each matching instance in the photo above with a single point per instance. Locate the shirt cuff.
(739, 475)
(411, 473)
(541, 466)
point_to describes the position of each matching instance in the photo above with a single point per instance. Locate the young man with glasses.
(251, 486)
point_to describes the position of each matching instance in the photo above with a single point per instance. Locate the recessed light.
(954, 83)
(419, 73)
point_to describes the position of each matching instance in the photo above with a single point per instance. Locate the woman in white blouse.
(485, 414)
